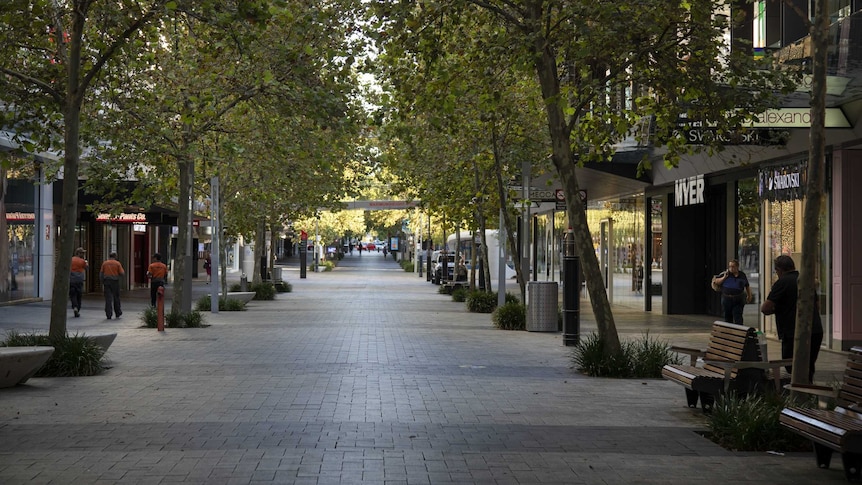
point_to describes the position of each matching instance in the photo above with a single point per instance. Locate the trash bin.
(276, 274)
(243, 283)
(543, 300)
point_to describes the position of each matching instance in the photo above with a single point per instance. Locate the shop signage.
(752, 136)
(782, 183)
(20, 216)
(124, 217)
(798, 118)
(689, 191)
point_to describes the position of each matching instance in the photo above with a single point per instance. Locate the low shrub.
(510, 316)
(589, 357)
(512, 298)
(750, 423)
(283, 287)
(649, 355)
(642, 358)
(224, 305)
(263, 291)
(481, 301)
(74, 355)
(459, 294)
(150, 318)
(408, 266)
(193, 319)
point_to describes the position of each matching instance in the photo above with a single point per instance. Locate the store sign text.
(689, 191)
(124, 217)
(782, 183)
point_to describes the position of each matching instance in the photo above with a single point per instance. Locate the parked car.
(437, 267)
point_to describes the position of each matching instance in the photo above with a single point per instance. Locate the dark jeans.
(733, 306)
(75, 292)
(112, 297)
(787, 352)
(154, 289)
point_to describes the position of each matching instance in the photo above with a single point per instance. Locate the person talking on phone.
(735, 291)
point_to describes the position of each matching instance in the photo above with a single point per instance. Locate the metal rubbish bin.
(276, 274)
(542, 313)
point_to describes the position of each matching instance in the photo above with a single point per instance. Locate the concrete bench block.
(17, 364)
(103, 340)
(243, 296)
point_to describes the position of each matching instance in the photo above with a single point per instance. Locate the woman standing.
(735, 291)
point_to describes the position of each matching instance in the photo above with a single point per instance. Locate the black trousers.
(787, 352)
(76, 289)
(112, 297)
(155, 283)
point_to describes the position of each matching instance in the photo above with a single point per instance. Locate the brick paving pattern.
(364, 375)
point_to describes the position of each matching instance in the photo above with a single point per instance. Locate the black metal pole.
(571, 291)
(303, 254)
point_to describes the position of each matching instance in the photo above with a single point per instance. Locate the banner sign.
(782, 182)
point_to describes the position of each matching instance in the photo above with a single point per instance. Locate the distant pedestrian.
(208, 266)
(639, 277)
(77, 276)
(110, 275)
(157, 272)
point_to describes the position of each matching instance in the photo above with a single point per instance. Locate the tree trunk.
(5, 269)
(260, 251)
(813, 193)
(546, 69)
(71, 159)
(182, 256)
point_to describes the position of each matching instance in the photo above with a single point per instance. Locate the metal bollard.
(160, 309)
(243, 283)
(571, 291)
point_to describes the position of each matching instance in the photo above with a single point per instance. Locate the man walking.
(158, 273)
(76, 280)
(110, 275)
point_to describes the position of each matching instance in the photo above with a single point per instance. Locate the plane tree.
(276, 63)
(52, 58)
(604, 70)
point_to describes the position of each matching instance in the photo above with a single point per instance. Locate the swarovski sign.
(783, 182)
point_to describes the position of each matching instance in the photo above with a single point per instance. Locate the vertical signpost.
(215, 253)
(303, 253)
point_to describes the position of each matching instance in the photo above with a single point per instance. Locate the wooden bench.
(838, 429)
(732, 361)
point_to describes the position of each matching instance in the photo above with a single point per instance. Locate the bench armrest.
(729, 366)
(821, 391)
(693, 353)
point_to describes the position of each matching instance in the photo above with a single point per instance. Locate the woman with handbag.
(735, 291)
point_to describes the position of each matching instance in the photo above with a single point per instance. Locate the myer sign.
(689, 191)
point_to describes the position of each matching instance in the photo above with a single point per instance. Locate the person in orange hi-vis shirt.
(157, 272)
(110, 275)
(76, 280)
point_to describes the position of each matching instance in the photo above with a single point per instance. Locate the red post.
(160, 308)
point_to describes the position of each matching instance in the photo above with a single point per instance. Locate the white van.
(494, 243)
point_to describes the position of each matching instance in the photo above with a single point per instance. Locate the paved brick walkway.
(363, 375)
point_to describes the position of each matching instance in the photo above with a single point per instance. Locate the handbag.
(716, 286)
